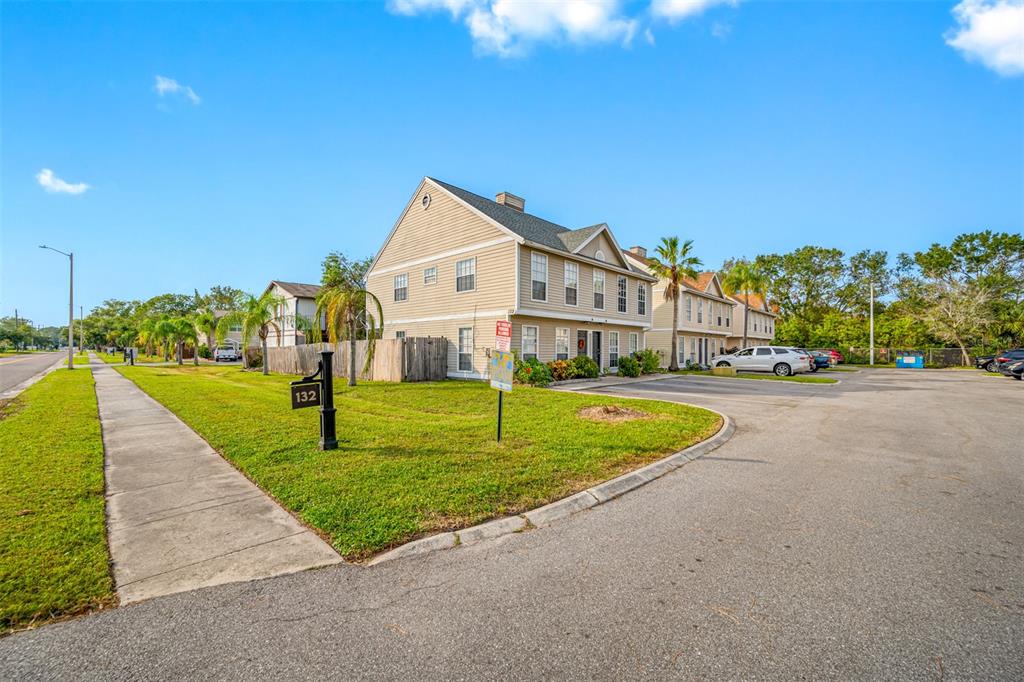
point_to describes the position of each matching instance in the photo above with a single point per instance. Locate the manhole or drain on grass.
(612, 413)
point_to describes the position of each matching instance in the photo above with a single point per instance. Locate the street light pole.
(71, 304)
(81, 329)
(872, 325)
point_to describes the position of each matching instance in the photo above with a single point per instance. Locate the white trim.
(565, 270)
(519, 294)
(425, 282)
(568, 344)
(455, 374)
(439, 256)
(547, 278)
(590, 261)
(559, 315)
(456, 269)
(615, 245)
(618, 280)
(439, 318)
(694, 331)
(604, 289)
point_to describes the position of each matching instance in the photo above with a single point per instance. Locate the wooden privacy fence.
(410, 359)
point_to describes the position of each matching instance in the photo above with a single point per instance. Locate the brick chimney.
(638, 251)
(511, 200)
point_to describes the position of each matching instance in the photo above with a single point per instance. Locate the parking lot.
(864, 530)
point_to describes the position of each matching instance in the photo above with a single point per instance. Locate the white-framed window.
(465, 349)
(598, 289)
(430, 275)
(728, 316)
(531, 339)
(623, 293)
(641, 298)
(402, 287)
(561, 343)
(465, 275)
(718, 315)
(538, 276)
(700, 310)
(634, 342)
(572, 282)
(613, 349)
(693, 349)
(400, 335)
(681, 351)
(689, 308)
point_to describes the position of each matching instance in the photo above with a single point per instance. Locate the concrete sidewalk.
(179, 516)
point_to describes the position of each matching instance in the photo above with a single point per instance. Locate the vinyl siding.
(585, 295)
(604, 245)
(483, 340)
(546, 332)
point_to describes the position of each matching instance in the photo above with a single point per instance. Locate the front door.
(595, 347)
(581, 342)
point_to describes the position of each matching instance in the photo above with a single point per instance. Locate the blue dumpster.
(912, 360)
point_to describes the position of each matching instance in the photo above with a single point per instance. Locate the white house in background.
(299, 300)
(761, 320)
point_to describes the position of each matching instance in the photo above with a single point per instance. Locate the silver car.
(778, 359)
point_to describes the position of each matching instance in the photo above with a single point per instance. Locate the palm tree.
(147, 335)
(164, 331)
(206, 323)
(748, 279)
(343, 307)
(675, 263)
(184, 331)
(257, 317)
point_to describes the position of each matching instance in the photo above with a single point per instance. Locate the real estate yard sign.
(502, 367)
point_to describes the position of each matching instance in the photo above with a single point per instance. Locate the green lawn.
(796, 378)
(415, 459)
(53, 547)
(113, 358)
(79, 360)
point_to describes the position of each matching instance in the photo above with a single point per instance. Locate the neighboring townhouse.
(298, 299)
(233, 338)
(455, 263)
(706, 316)
(761, 320)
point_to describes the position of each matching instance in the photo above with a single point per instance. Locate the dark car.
(819, 359)
(1006, 357)
(1015, 369)
(985, 362)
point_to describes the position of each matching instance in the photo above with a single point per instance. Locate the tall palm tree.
(748, 279)
(147, 337)
(183, 331)
(259, 314)
(675, 263)
(164, 330)
(343, 307)
(205, 321)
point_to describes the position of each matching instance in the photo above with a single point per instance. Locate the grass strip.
(53, 548)
(795, 378)
(415, 459)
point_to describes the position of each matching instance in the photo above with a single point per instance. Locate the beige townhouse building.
(706, 316)
(297, 300)
(455, 263)
(761, 320)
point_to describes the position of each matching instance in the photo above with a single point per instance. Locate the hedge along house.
(706, 316)
(455, 263)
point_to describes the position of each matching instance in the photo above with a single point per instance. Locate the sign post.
(502, 364)
(312, 391)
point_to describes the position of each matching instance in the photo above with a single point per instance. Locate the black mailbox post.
(312, 391)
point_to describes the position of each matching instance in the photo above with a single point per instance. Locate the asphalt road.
(868, 530)
(18, 368)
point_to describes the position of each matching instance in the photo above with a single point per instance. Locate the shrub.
(532, 371)
(629, 367)
(585, 367)
(204, 351)
(561, 370)
(254, 358)
(649, 361)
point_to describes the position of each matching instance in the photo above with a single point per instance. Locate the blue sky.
(285, 131)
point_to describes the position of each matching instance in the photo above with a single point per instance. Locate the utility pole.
(81, 330)
(872, 325)
(71, 304)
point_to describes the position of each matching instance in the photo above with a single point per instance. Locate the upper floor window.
(430, 275)
(700, 310)
(689, 308)
(623, 293)
(539, 276)
(641, 298)
(599, 289)
(401, 287)
(728, 315)
(465, 275)
(572, 282)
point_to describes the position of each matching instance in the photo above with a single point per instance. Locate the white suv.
(226, 353)
(777, 359)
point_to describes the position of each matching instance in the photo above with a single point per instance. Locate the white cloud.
(677, 10)
(165, 86)
(51, 183)
(991, 32)
(509, 27)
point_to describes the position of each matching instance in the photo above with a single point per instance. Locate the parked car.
(836, 356)
(985, 362)
(226, 353)
(819, 360)
(1014, 369)
(1006, 357)
(782, 361)
(811, 366)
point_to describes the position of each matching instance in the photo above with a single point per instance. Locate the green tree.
(675, 263)
(746, 279)
(342, 305)
(258, 315)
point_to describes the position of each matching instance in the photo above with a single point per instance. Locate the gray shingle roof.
(297, 289)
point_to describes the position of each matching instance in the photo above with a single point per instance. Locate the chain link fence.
(933, 357)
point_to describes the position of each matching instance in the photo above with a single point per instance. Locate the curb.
(567, 506)
(15, 391)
